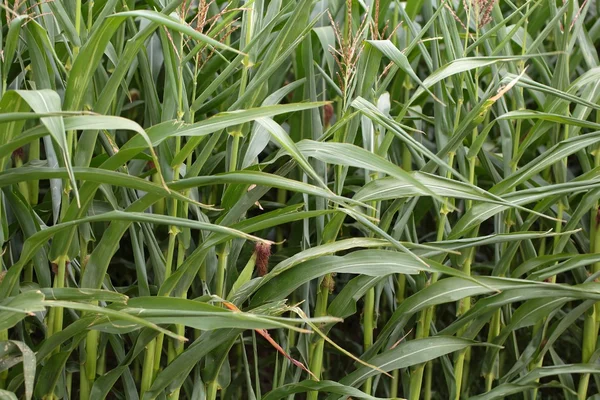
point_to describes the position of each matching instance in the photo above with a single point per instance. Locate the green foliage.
(270, 199)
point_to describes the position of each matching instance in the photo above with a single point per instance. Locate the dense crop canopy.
(278, 199)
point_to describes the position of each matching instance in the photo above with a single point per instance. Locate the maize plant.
(309, 199)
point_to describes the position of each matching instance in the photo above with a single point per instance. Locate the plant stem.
(101, 363)
(426, 316)
(84, 387)
(235, 147)
(147, 370)
(493, 332)
(416, 377)
(173, 232)
(175, 347)
(91, 350)
(69, 384)
(461, 365)
(368, 323)
(34, 186)
(236, 134)
(428, 375)
(59, 282)
(400, 296)
(77, 24)
(211, 391)
(222, 256)
(3, 374)
(592, 316)
(281, 198)
(316, 354)
(401, 278)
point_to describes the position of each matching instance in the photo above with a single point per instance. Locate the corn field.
(300, 199)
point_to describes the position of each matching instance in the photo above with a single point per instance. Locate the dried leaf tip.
(263, 253)
(19, 153)
(328, 114)
(328, 283)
